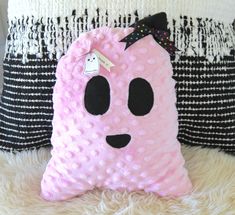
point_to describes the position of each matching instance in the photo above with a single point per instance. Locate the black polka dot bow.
(142, 30)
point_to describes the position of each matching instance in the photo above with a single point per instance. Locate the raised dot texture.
(95, 135)
(91, 182)
(129, 158)
(91, 169)
(141, 186)
(126, 112)
(132, 58)
(116, 56)
(69, 154)
(120, 164)
(100, 177)
(74, 104)
(86, 142)
(67, 94)
(143, 50)
(151, 142)
(81, 115)
(75, 165)
(142, 132)
(100, 36)
(124, 66)
(78, 132)
(94, 152)
(82, 159)
(107, 46)
(117, 37)
(126, 173)
(109, 170)
(113, 74)
(66, 110)
(151, 61)
(101, 163)
(120, 84)
(118, 102)
(140, 68)
(136, 167)
(152, 43)
(78, 149)
(80, 51)
(127, 31)
(134, 122)
(88, 125)
(116, 178)
(143, 174)
(107, 128)
(70, 139)
(76, 87)
(133, 179)
(117, 119)
(125, 130)
(64, 183)
(141, 150)
(82, 176)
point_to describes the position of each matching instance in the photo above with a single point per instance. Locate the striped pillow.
(40, 32)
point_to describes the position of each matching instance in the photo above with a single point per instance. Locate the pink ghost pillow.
(114, 126)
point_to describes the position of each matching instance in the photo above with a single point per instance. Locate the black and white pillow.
(205, 75)
(41, 31)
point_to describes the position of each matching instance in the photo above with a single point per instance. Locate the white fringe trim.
(222, 10)
(206, 38)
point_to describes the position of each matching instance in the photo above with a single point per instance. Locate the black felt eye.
(141, 99)
(97, 95)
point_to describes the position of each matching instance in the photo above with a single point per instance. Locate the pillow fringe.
(197, 37)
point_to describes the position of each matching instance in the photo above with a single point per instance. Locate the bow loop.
(148, 26)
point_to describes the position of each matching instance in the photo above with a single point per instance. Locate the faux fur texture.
(212, 173)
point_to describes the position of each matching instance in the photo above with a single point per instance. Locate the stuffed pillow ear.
(76, 55)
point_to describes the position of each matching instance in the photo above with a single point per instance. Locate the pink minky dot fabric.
(81, 158)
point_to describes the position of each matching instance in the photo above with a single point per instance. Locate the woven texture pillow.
(110, 126)
(3, 32)
(39, 34)
(41, 31)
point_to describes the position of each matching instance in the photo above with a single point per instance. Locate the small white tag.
(104, 61)
(92, 65)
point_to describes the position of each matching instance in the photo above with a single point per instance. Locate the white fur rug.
(212, 173)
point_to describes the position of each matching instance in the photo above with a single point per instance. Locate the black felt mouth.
(118, 141)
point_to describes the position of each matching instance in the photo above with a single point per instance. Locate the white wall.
(3, 33)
